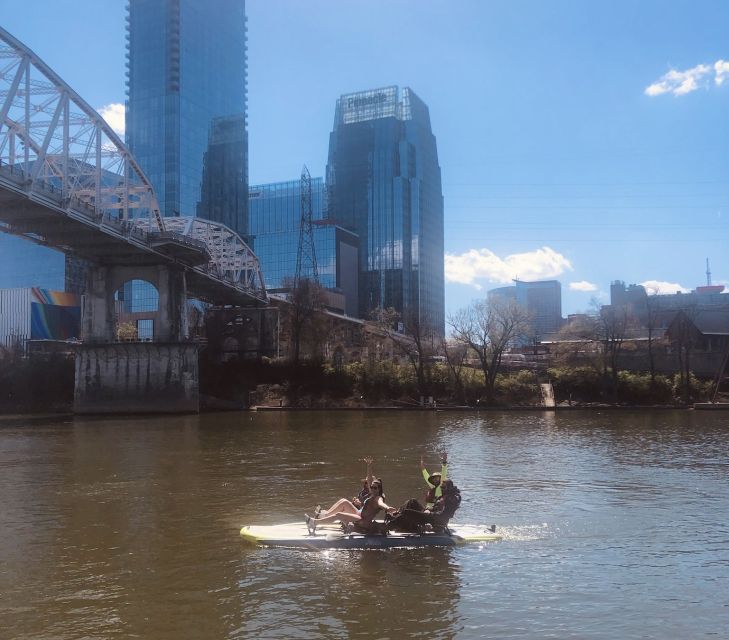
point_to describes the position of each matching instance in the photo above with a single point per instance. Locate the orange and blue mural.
(54, 315)
(61, 298)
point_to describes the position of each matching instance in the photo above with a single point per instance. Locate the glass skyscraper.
(186, 105)
(275, 225)
(384, 184)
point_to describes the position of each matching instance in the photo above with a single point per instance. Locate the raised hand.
(444, 457)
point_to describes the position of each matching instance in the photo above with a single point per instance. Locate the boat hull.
(296, 535)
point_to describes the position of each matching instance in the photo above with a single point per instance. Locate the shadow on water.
(349, 593)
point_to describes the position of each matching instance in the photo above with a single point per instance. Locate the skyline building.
(384, 184)
(275, 224)
(224, 189)
(541, 298)
(186, 105)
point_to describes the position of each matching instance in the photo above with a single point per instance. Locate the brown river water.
(615, 524)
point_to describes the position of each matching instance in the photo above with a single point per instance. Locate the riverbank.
(39, 418)
(494, 408)
(34, 418)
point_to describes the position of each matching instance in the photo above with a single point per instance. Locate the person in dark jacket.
(437, 518)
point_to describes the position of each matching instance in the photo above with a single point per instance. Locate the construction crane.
(306, 256)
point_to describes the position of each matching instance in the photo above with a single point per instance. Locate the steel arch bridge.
(68, 181)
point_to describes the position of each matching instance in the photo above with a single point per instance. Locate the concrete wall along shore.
(137, 378)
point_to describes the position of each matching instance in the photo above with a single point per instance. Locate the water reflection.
(130, 528)
(350, 593)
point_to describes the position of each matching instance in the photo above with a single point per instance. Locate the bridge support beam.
(160, 376)
(137, 377)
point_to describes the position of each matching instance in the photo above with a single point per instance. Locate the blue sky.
(581, 141)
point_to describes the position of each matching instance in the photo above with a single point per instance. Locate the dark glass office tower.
(224, 191)
(275, 225)
(186, 100)
(384, 184)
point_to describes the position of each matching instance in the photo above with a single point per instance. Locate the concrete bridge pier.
(160, 376)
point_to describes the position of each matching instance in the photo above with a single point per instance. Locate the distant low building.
(638, 302)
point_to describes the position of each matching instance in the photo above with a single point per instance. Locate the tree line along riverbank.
(41, 385)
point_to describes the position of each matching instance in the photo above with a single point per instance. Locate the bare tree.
(455, 355)
(488, 327)
(577, 343)
(307, 299)
(684, 337)
(419, 344)
(652, 319)
(613, 324)
(421, 351)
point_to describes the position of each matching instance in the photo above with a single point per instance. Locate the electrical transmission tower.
(306, 257)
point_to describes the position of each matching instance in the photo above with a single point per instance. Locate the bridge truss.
(69, 182)
(57, 142)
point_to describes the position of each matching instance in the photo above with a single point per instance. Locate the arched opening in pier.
(137, 309)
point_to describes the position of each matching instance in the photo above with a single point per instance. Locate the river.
(615, 524)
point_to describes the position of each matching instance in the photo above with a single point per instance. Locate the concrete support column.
(99, 312)
(98, 316)
(136, 377)
(172, 287)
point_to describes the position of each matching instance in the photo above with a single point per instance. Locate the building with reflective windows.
(384, 184)
(186, 105)
(137, 305)
(275, 226)
(224, 189)
(541, 298)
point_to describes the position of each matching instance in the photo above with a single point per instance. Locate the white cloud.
(680, 82)
(483, 264)
(660, 286)
(583, 285)
(721, 69)
(114, 115)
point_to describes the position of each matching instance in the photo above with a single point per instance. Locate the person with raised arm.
(436, 518)
(345, 512)
(434, 480)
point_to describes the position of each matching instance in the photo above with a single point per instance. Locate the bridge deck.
(81, 231)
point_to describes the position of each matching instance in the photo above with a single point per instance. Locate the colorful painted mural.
(54, 315)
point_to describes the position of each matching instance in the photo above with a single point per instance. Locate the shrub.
(521, 387)
(580, 384)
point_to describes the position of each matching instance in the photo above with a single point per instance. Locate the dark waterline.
(616, 525)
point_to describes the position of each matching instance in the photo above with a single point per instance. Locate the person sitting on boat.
(356, 501)
(359, 499)
(413, 520)
(363, 519)
(434, 480)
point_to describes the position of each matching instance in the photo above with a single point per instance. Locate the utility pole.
(306, 256)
